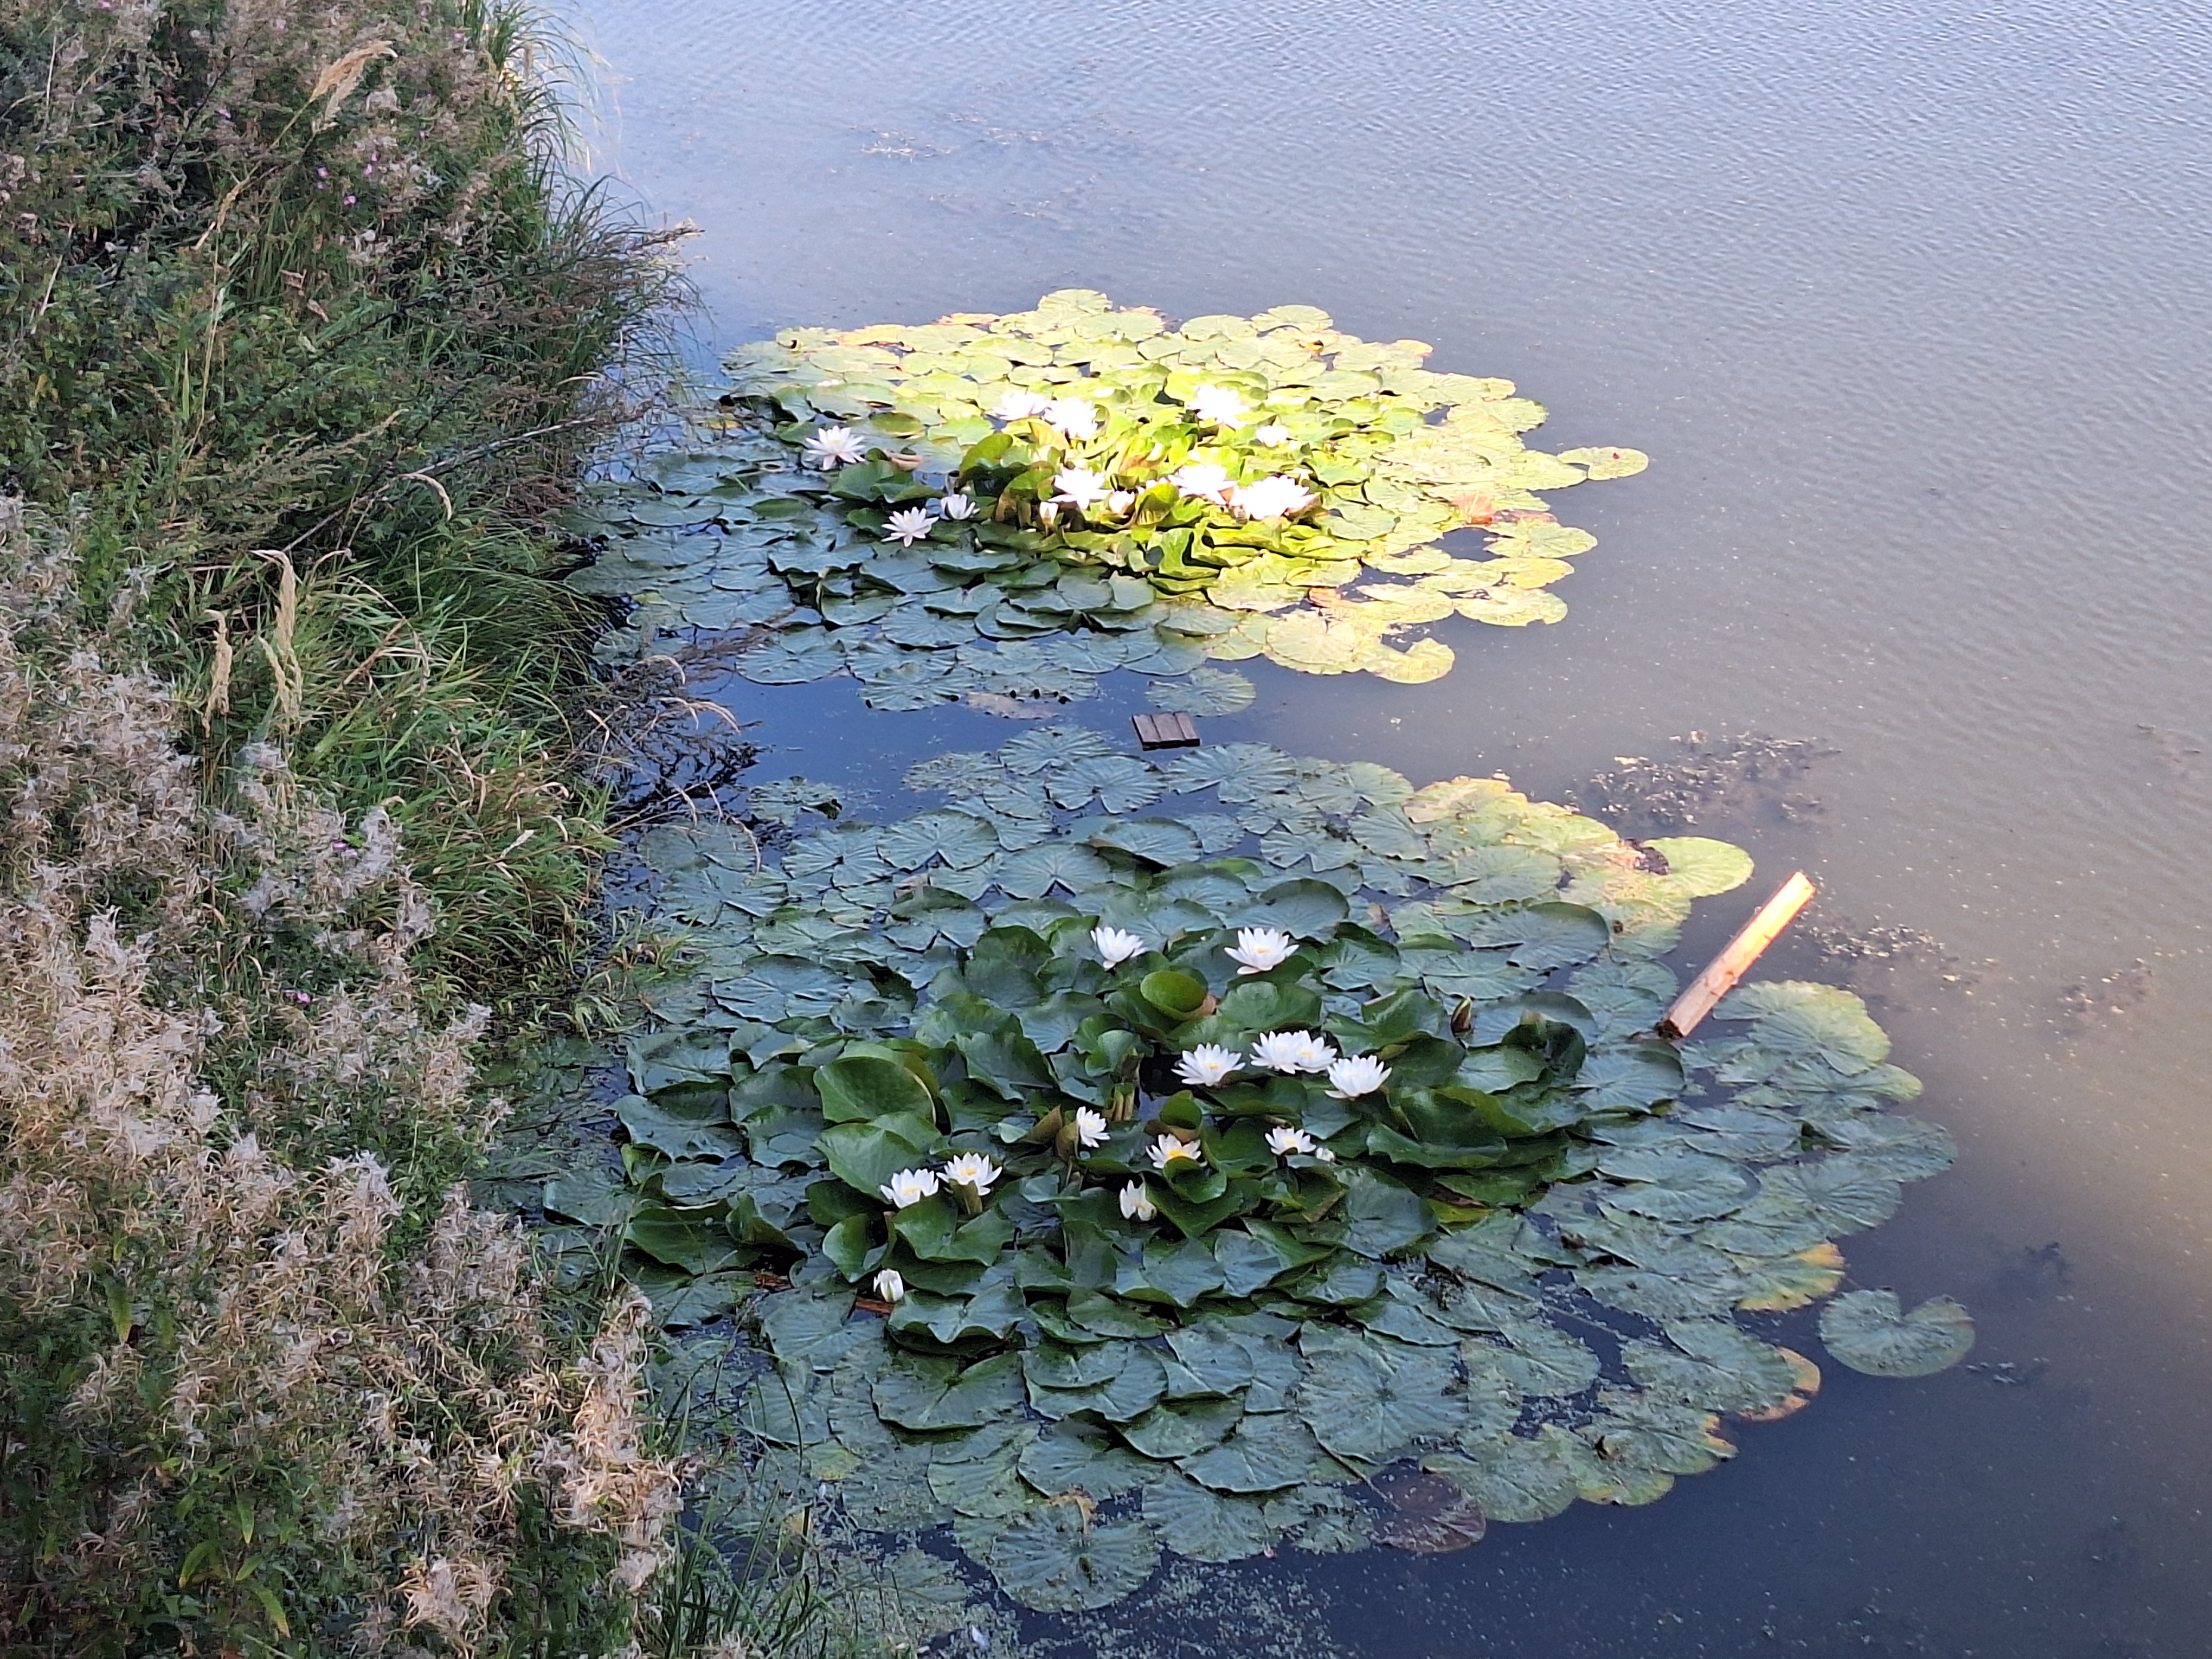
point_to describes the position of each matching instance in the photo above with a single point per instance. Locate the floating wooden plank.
(1732, 964)
(1165, 731)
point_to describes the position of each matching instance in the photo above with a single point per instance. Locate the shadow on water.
(1901, 300)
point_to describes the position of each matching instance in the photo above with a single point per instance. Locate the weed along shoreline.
(303, 334)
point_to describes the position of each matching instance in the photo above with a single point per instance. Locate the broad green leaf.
(1206, 1525)
(1711, 1364)
(1203, 691)
(1530, 1358)
(1058, 1559)
(1515, 1478)
(858, 1087)
(1672, 1183)
(1075, 1456)
(1176, 1428)
(1867, 1331)
(1262, 1454)
(1373, 1401)
(921, 1393)
(865, 1156)
(1699, 868)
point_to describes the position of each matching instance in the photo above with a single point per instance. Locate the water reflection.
(1902, 300)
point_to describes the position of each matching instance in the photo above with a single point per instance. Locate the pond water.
(1904, 302)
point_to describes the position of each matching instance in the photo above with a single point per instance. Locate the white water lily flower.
(957, 504)
(891, 1285)
(1219, 406)
(1270, 498)
(1019, 406)
(1282, 1142)
(1350, 1077)
(1119, 500)
(1075, 418)
(1137, 1203)
(1259, 948)
(972, 1169)
(1293, 1051)
(1273, 435)
(910, 1187)
(1168, 1152)
(909, 525)
(1202, 481)
(1115, 947)
(1090, 1127)
(1206, 1065)
(833, 445)
(1322, 1154)
(1081, 486)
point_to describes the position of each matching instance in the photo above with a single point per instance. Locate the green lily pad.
(928, 1394)
(1262, 1454)
(1177, 1428)
(1207, 1525)
(1712, 1364)
(1675, 1184)
(1813, 1021)
(1059, 1560)
(1869, 1331)
(1516, 1478)
(1075, 1456)
(1841, 1195)
(1699, 868)
(1370, 1404)
(1534, 1360)
(1203, 691)
(1656, 1432)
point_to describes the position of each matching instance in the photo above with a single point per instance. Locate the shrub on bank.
(300, 336)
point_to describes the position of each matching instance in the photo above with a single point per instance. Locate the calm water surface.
(1907, 302)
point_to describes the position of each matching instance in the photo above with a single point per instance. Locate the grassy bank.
(300, 335)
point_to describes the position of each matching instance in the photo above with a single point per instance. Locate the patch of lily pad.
(1009, 506)
(1179, 1155)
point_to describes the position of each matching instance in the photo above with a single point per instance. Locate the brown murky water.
(1906, 302)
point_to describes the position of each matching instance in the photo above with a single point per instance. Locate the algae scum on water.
(1226, 1151)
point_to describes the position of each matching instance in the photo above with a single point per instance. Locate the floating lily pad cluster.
(1090, 1250)
(1011, 506)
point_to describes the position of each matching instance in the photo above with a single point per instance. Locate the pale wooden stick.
(1732, 964)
